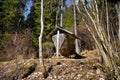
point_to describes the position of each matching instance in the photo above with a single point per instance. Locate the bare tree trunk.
(41, 35)
(118, 12)
(75, 29)
(102, 42)
(119, 18)
(61, 16)
(45, 74)
(58, 33)
(101, 37)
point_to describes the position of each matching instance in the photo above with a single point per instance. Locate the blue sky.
(28, 7)
(70, 2)
(1, 0)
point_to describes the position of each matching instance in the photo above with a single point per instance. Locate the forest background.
(20, 26)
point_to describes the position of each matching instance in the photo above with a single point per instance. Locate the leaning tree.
(97, 22)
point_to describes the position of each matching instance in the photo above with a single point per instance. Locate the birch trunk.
(75, 29)
(103, 38)
(102, 43)
(42, 67)
(41, 34)
(61, 16)
(58, 33)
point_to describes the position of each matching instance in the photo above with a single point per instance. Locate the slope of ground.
(88, 68)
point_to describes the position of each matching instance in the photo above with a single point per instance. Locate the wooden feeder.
(68, 46)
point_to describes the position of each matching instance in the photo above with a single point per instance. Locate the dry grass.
(18, 44)
(66, 69)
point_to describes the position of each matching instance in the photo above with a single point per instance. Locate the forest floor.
(88, 68)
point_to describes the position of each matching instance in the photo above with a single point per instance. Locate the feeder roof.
(62, 30)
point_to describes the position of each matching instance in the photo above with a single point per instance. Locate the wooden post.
(57, 48)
